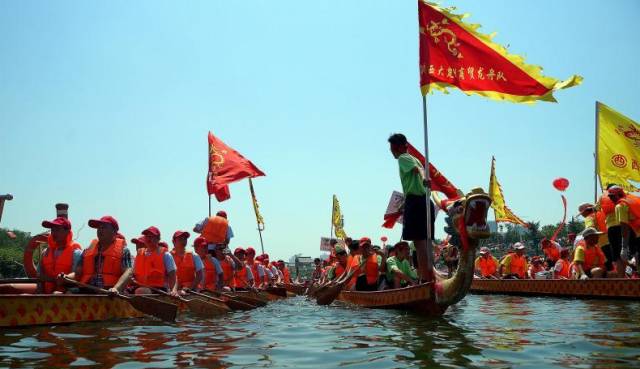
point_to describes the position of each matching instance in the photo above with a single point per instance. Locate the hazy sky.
(106, 106)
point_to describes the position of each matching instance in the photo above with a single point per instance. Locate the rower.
(60, 259)
(229, 264)
(369, 269)
(256, 267)
(589, 258)
(399, 270)
(272, 270)
(562, 269)
(212, 268)
(189, 268)
(286, 275)
(536, 267)
(340, 265)
(486, 264)
(551, 251)
(514, 265)
(317, 271)
(106, 263)
(154, 267)
(243, 277)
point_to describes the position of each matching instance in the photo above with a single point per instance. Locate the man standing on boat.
(215, 230)
(413, 179)
(154, 266)
(60, 258)
(628, 216)
(106, 263)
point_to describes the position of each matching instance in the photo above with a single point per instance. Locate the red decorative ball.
(561, 184)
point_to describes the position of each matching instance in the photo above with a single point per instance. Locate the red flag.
(226, 165)
(438, 181)
(454, 54)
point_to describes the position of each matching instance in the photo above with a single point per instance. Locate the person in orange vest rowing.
(369, 267)
(60, 258)
(189, 267)
(106, 263)
(628, 215)
(515, 264)
(243, 277)
(597, 219)
(256, 268)
(551, 251)
(486, 264)
(286, 275)
(154, 266)
(536, 267)
(317, 271)
(340, 265)
(589, 258)
(229, 264)
(562, 269)
(271, 275)
(212, 279)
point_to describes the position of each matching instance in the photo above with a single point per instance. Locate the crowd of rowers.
(608, 247)
(107, 263)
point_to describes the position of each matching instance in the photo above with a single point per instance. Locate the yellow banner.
(500, 208)
(256, 207)
(618, 148)
(337, 220)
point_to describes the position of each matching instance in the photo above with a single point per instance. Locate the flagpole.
(333, 209)
(595, 155)
(209, 206)
(254, 202)
(429, 268)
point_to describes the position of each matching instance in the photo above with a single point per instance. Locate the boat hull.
(415, 298)
(24, 310)
(295, 288)
(614, 288)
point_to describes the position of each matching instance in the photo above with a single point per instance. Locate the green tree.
(12, 245)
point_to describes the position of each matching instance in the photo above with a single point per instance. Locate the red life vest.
(552, 253)
(338, 270)
(633, 202)
(518, 265)
(111, 262)
(227, 272)
(210, 275)
(185, 269)
(286, 275)
(566, 269)
(52, 266)
(241, 278)
(215, 229)
(593, 257)
(149, 269)
(371, 269)
(254, 270)
(488, 266)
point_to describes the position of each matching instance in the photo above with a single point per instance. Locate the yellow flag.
(500, 208)
(337, 220)
(256, 207)
(618, 148)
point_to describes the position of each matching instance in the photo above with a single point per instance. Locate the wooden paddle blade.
(205, 308)
(238, 305)
(278, 291)
(247, 299)
(157, 308)
(325, 295)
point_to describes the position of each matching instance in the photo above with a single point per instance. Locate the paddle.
(231, 303)
(239, 296)
(147, 305)
(326, 294)
(203, 308)
(278, 291)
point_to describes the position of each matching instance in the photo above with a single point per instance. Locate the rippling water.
(481, 331)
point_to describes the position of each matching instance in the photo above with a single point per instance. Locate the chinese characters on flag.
(454, 54)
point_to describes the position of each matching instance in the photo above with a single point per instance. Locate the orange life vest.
(633, 202)
(215, 229)
(371, 269)
(149, 270)
(286, 274)
(241, 278)
(185, 269)
(111, 262)
(227, 272)
(339, 270)
(488, 266)
(518, 265)
(566, 269)
(52, 266)
(210, 275)
(254, 270)
(535, 269)
(593, 258)
(552, 252)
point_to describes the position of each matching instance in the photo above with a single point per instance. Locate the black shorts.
(414, 227)
(615, 240)
(361, 284)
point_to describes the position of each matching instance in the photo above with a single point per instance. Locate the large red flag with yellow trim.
(454, 54)
(226, 165)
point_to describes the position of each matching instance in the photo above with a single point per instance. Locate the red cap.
(107, 219)
(151, 231)
(260, 257)
(222, 213)
(364, 240)
(58, 222)
(250, 250)
(616, 190)
(200, 241)
(139, 241)
(163, 244)
(239, 250)
(178, 234)
(265, 256)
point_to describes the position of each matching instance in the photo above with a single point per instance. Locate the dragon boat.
(606, 288)
(469, 214)
(296, 289)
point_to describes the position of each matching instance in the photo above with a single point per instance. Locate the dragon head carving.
(473, 209)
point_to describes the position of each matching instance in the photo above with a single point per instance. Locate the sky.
(106, 106)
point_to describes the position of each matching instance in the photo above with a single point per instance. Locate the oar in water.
(278, 291)
(326, 294)
(229, 302)
(203, 308)
(147, 305)
(239, 296)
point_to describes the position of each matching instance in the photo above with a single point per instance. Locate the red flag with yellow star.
(226, 165)
(455, 54)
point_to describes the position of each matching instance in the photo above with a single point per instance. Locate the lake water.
(481, 331)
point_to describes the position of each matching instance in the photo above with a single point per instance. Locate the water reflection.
(481, 331)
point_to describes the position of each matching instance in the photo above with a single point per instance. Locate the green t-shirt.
(404, 266)
(411, 181)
